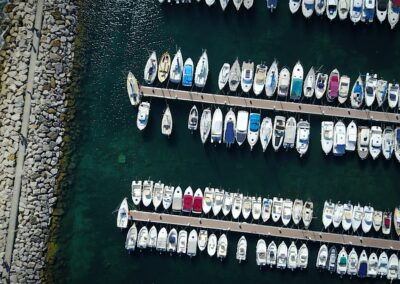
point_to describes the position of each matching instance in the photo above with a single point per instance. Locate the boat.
(387, 223)
(344, 86)
(309, 82)
(393, 13)
(366, 223)
(266, 209)
(383, 263)
(393, 267)
(362, 265)
(337, 215)
(327, 136)
(172, 240)
(259, 79)
(308, 210)
(292, 257)
(212, 245)
(375, 141)
(234, 76)
(322, 258)
(368, 12)
(142, 238)
(363, 142)
(228, 201)
(377, 219)
(339, 139)
(175, 73)
(357, 93)
(276, 213)
(237, 205)
(177, 199)
(347, 216)
(193, 119)
(147, 193)
(351, 136)
(182, 242)
(396, 220)
(241, 249)
(187, 200)
(164, 67)
(152, 237)
(303, 137)
(272, 254)
(320, 6)
(352, 263)
(271, 81)
(136, 191)
(218, 201)
(158, 193)
(131, 238)
(166, 123)
(192, 243)
(265, 132)
(198, 202)
(296, 85)
(187, 77)
(162, 240)
(150, 70)
(397, 143)
(287, 207)
(341, 264)
(294, 5)
(205, 124)
(332, 257)
(321, 84)
(356, 7)
(370, 87)
(248, 4)
(381, 91)
(201, 73)
(143, 115)
(246, 207)
(133, 89)
(253, 129)
(217, 126)
(393, 95)
(283, 82)
(333, 86)
(167, 197)
(327, 214)
(282, 255)
(307, 8)
(261, 253)
(272, 4)
(208, 200)
(278, 132)
(222, 247)
(256, 208)
(372, 271)
(343, 9)
(223, 3)
(331, 9)
(202, 240)
(358, 214)
(297, 211)
(241, 127)
(223, 76)
(290, 133)
(247, 76)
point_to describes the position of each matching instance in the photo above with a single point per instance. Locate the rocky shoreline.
(46, 130)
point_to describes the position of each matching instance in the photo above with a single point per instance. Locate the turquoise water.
(111, 151)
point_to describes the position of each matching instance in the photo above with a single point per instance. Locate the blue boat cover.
(273, 80)
(369, 14)
(296, 89)
(254, 122)
(341, 149)
(357, 9)
(187, 76)
(309, 6)
(396, 9)
(172, 239)
(362, 271)
(229, 133)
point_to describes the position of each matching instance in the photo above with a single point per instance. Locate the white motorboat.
(193, 119)
(329, 208)
(322, 257)
(210, 2)
(202, 240)
(358, 214)
(296, 85)
(292, 257)
(327, 136)
(302, 257)
(187, 205)
(393, 95)
(387, 223)
(309, 82)
(388, 143)
(234, 76)
(162, 240)
(290, 133)
(248, 4)
(397, 143)
(201, 73)
(277, 204)
(192, 243)
(133, 89)
(172, 240)
(246, 207)
(321, 83)
(143, 115)
(208, 199)
(217, 126)
(223, 3)
(381, 91)
(205, 124)
(261, 253)
(228, 201)
(241, 127)
(212, 245)
(136, 191)
(372, 265)
(308, 211)
(272, 252)
(331, 9)
(247, 76)
(347, 216)
(375, 142)
(237, 205)
(377, 219)
(259, 79)
(229, 128)
(177, 199)
(150, 70)
(352, 263)
(344, 84)
(356, 7)
(222, 247)
(152, 237)
(383, 263)
(351, 136)
(287, 207)
(256, 208)
(241, 250)
(343, 9)
(223, 76)
(164, 67)
(357, 92)
(363, 142)
(182, 242)
(266, 209)
(147, 193)
(307, 8)
(371, 82)
(187, 74)
(393, 14)
(143, 238)
(342, 262)
(337, 215)
(253, 129)
(366, 223)
(339, 139)
(297, 211)
(294, 5)
(131, 238)
(320, 6)
(396, 220)
(393, 268)
(303, 137)
(265, 132)
(167, 197)
(175, 73)
(271, 81)
(158, 193)
(332, 259)
(278, 132)
(218, 201)
(282, 255)
(284, 82)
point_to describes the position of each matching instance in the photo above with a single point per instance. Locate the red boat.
(387, 223)
(333, 86)
(198, 202)
(188, 200)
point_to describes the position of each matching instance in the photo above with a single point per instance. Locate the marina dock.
(264, 230)
(267, 104)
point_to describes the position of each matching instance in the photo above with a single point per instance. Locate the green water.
(118, 36)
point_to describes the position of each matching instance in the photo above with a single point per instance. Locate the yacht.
(208, 199)
(261, 253)
(234, 76)
(307, 8)
(193, 119)
(175, 73)
(198, 202)
(387, 223)
(296, 85)
(358, 214)
(192, 243)
(287, 207)
(332, 257)
(266, 209)
(337, 215)
(377, 219)
(166, 122)
(331, 9)
(256, 208)
(143, 238)
(284, 82)
(294, 5)
(333, 85)
(212, 245)
(143, 115)
(308, 210)
(366, 223)
(339, 139)
(167, 197)
(237, 205)
(303, 137)
(147, 193)
(161, 244)
(158, 193)
(370, 87)
(375, 142)
(201, 73)
(352, 263)
(309, 82)
(150, 70)
(327, 214)
(282, 255)
(344, 86)
(222, 247)
(351, 136)
(241, 127)
(188, 200)
(362, 265)
(172, 241)
(253, 129)
(290, 133)
(202, 240)
(272, 252)
(347, 216)
(363, 142)
(241, 250)
(321, 83)
(387, 143)
(228, 201)
(297, 211)
(393, 95)
(381, 92)
(133, 89)
(372, 265)
(343, 9)
(177, 199)
(397, 143)
(164, 66)
(131, 238)
(152, 237)
(292, 257)
(247, 76)
(265, 132)
(368, 12)
(278, 132)
(393, 268)
(187, 76)
(356, 7)
(322, 258)
(383, 262)
(218, 201)
(327, 136)
(205, 124)
(217, 126)
(357, 93)
(182, 242)
(342, 262)
(271, 82)
(229, 128)
(259, 79)
(136, 191)
(277, 204)
(223, 76)
(246, 207)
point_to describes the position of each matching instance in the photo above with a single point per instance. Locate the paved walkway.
(24, 132)
(257, 103)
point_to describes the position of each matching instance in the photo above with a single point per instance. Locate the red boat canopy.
(187, 203)
(396, 3)
(198, 204)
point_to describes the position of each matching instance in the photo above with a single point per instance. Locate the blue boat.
(230, 128)
(297, 82)
(187, 79)
(368, 11)
(363, 265)
(253, 129)
(272, 4)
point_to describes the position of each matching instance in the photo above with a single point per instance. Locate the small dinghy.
(357, 93)
(377, 218)
(162, 240)
(343, 9)
(337, 215)
(331, 9)
(177, 199)
(133, 89)
(358, 214)
(241, 128)
(393, 13)
(158, 193)
(216, 126)
(296, 86)
(212, 245)
(150, 70)
(136, 192)
(278, 132)
(372, 265)
(292, 257)
(381, 92)
(188, 70)
(259, 79)
(182, 242)
(272, 252)
(122, 217)
(218, 201)
(351, 136)
(342, 262)
(193, 118)
(261, 253)
(297, 211)
(327, 214)
(241, 250)
(234, 76)
(143, 238)
(375, 142)
(393, 267)
(172, 241)
(287, 211)
(246, 207)
(277, 204)
(294, 5)
(187, 200)
(307, 8)
(383, 263)
(152, 237)
(284, 82)
(229, 128)
(303, 137)
(347, 216)
(223, 76)
(333, 86)
(290, 133)
(282, 255)
(143, 115)
(208, 199)
(228, 201)
(308, 210)
(147, 193)
(322, 258)
(256, 208)
(302, 257)
(202, 241)
(266, 209)
(237, 205)
(371, 82)
(205, 124)
(198, 202)
(321, 84)
(309, 82)
(253, 129)
(175, 73)
(131, 238)
(166, 123)
(332, 257)
(353, 263)
(339, 139)
(164, 67)
(271, 82)
(327, 136)
(388, 143)
(247, 76)
(363, 142)
(344, 87)
(167, 197)
(387, 223)
(222, 247)
(265, 132)
(201, 73)
(362, 265)
(320, 6)
(356, 7)
(192, 243)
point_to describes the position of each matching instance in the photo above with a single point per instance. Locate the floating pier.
(267, 104)
(265, 230)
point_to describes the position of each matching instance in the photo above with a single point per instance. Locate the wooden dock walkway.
(264, 103)
(264, 230)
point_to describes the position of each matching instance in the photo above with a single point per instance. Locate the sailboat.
(201, 73)
(193, 118)
(164, 67)
(308, 210)
(339, 139)
(241, 128)
(327, 136)
(223, 76)
(303, 137)
(309, 82)
(166, 123)
(205, 124)
(296, 85)
(393, 95)
(259, 79)
(297, 211)
(208, 200)
(351, 136)
(253, 129)
(321, 84)
(131, 238)
(371, 82)
(187, 76)
(292, 257)
(198, 202)
(284, 82)
(212, 245)
(158, 193)
(167, 197)
(363, 142)
(290, 133)
(266, 209)
(136, 191)
(228, 201)
(265, 132)
(133, 89)
(388, 143)
(175, 73)
(147, 193)
(278, 132)
(271, 81)
(172, 240)
(261, 253)
(150, 70)
(344, 87)
(375, 142)
(241, 249)
(188, 200)
(272, 251)
(333, 86)
(282, 256)
(327, 214)
(222, 247)
(357, 93)
(143, 238)
(182, 242)
(247, 76)
(322, 257)
(237, 205)
(177, 199)
(217, 126)
(143, 115)
(234, 75)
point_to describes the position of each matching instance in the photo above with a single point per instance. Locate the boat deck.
(284, 106)
(264, 230)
